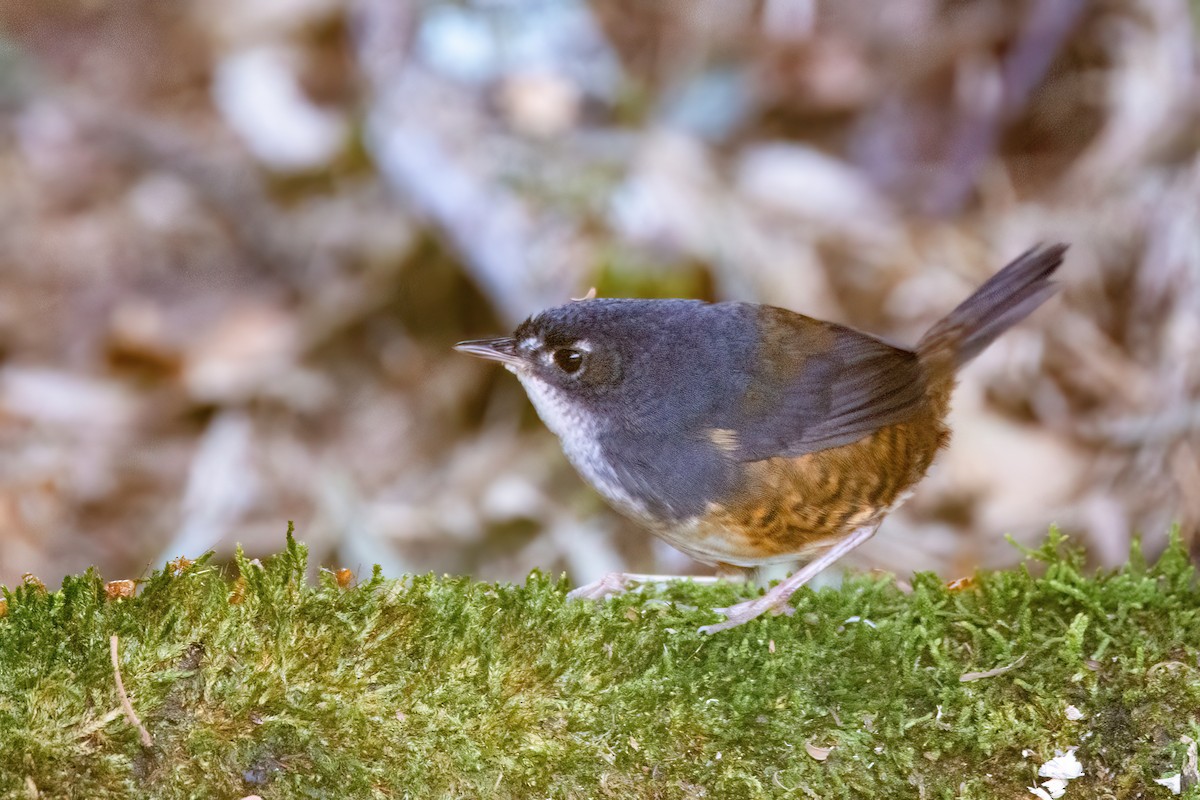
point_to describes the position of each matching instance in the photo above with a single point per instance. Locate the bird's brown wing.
(819, 385)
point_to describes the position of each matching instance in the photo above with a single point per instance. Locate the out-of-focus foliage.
(237, 238)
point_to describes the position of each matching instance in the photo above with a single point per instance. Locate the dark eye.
(568, 360)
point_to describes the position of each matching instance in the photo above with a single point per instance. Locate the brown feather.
(789, 508)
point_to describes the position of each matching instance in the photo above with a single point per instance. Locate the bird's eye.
(568, 360)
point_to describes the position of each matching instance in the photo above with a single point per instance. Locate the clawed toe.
(776, 600)
(744, 612)
(613, 583)
(616, 583)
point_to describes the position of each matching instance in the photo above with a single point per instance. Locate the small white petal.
(1042, 793)
(1172, 782)
(1056, 787)
(817, 752)
(1063, 765)
(1073, 713)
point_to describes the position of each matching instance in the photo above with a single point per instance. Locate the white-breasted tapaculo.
(747, 434)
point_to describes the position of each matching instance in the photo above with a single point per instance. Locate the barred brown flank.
(801, 504)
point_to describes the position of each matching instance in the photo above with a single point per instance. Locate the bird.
(746, 434)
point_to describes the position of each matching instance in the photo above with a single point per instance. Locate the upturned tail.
(1005, 299)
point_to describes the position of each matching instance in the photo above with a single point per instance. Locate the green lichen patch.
(424, 687)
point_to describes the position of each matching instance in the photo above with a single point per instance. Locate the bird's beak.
(502, 349)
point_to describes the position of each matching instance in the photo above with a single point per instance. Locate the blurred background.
(238, 238)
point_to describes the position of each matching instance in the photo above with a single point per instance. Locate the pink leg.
(777, 598)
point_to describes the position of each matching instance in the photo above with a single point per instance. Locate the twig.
(130, 714)
(989, 673)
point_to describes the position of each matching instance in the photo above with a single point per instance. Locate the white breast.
(580, 435)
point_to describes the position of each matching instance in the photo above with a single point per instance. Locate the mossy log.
(262, 683)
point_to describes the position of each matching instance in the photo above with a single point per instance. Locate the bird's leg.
(615, 583)
(777, 598)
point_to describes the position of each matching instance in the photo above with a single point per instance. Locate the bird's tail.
(1004, 300)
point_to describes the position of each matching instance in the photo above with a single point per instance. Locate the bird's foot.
(777, 598)
(773, 601)
(611, 585)
(617, 583)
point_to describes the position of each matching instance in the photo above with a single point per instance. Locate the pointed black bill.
(502, 348)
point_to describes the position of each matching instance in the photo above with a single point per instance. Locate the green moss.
(443, 687)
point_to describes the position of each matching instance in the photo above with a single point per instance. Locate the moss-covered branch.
(444, 687)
